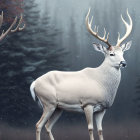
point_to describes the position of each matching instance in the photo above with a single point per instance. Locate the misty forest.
(56, 38)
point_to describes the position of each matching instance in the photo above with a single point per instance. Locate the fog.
(56, 38)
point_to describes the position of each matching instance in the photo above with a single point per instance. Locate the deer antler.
(95, 32)
(1, 19)
(4, 33)
(128, 29)
(18, 28)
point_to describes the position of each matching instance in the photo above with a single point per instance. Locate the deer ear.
(99, 48)
(126, 46)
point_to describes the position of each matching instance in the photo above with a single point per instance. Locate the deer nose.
(123, 63)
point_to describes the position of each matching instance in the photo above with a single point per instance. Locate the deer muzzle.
(123, 64)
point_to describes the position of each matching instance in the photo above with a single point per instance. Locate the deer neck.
(109, 77)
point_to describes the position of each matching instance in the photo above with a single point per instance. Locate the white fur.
(91, 90)
(32, 91)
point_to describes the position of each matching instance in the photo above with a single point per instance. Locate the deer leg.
(98, 118)
(45, 116)
(55, 116)
(89, 116)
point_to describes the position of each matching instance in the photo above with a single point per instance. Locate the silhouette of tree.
(23, 57)
(73, 45)
(137, 96)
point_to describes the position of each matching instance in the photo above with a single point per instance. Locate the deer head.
(113, 54)
(17, 28)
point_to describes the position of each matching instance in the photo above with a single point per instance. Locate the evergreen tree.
(73, 45)
(137, 97)
(24, 56)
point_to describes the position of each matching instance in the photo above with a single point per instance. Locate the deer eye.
(112, 54)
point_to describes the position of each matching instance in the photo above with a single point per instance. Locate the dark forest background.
(55, 38)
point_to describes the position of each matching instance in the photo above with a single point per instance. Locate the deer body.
(91, 90)
(74, 90)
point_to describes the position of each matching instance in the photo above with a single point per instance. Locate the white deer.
(91, 90)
